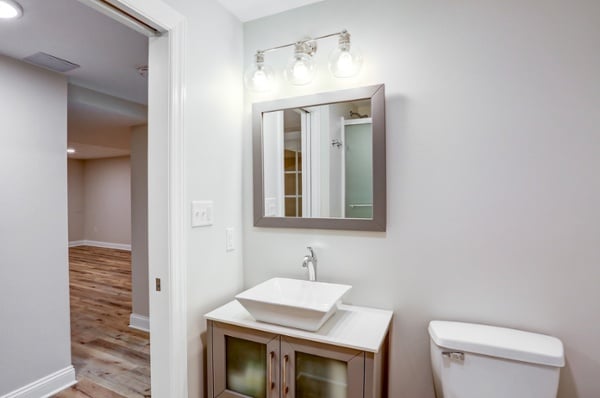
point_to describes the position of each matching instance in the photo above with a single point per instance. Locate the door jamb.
(170, 267)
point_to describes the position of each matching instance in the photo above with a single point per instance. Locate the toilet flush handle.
(455, 355)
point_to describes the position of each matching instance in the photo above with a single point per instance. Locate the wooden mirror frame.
(376, 94)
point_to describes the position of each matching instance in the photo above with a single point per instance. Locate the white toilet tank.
(478, 361)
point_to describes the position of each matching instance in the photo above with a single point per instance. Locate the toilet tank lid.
(498, 342)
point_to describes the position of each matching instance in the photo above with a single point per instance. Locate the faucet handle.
(312, 252)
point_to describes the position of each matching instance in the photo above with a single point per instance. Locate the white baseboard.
(46, 386)
(139, 322)
(108, 245)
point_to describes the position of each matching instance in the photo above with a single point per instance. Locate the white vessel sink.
(293, 302)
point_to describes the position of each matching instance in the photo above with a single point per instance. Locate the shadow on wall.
(204, 359)
(585, 363)
(396, 109)
(566, 386)
(404, 348)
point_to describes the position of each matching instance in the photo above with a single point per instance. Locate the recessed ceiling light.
(71, 150)
(10, 9)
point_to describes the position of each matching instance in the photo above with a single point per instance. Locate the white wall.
(107, 200)
(493, 188)
(273, 165)
(139, 220)
(34, 331)
(213, 129)
(75, 199)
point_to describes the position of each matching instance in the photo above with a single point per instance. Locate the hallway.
(111, 360)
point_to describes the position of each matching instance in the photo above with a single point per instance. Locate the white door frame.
(306, 146)
(166, 232)
(280, 163)
(343, 165)
(310, 130)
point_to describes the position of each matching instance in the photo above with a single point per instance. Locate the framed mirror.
(319, 161)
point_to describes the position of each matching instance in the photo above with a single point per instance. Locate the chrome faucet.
(310, 262)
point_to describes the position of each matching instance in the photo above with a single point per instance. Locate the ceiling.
(107, 51)
(108, 54)
(248, 10)
(99, 125)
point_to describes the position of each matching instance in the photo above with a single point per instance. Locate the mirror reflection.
(318, 161)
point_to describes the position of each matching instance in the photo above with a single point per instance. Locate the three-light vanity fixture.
(344, 61)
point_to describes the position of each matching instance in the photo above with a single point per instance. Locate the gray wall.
(102, 192)
(493, 188)
(34, 299)
(139, 220)
(107, 200)
(100, 200)
(75, 198)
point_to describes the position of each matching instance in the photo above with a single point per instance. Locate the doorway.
(166, 237)
(165, 211)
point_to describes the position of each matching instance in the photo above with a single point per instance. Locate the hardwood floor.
(111, 360)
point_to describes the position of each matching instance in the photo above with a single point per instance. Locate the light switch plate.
(270, 207)
(229, 242)
(202, 213)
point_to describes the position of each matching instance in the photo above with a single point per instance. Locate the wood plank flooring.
(111, 360)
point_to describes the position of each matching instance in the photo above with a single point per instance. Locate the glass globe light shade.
(301, 69)
(345, 61)
(259, 77)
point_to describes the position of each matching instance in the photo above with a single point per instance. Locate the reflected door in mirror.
(318, 161)
(358, 169)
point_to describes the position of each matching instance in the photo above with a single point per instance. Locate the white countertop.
(354, 327)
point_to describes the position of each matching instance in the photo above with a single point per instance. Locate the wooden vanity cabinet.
(249, 363)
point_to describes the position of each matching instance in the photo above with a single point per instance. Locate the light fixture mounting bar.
(341, 33)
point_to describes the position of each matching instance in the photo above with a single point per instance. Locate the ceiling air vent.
(50, 62)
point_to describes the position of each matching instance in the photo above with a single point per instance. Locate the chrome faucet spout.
(310, 262)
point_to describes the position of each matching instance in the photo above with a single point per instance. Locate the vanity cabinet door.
(245, 363)
(313, 370)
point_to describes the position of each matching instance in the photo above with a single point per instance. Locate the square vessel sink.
(293, 302)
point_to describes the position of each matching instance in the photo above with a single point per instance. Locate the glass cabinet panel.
(246, 367)
(318, 377)
(247, 363)
(314, 370)
(244, 363)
